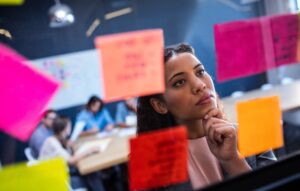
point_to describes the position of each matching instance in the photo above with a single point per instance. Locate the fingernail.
(205, 117)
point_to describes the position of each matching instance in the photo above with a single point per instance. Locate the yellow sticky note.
(48, 175)
(11, 2)
(259, 126)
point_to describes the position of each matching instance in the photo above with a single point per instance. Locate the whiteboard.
(79, 74)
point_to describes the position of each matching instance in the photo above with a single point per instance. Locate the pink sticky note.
(239, 49)
(285, 29)
(25, 94)
(267, 42)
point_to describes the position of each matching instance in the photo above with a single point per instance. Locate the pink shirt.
(203, 167)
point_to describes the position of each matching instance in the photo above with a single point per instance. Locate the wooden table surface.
(116, 153)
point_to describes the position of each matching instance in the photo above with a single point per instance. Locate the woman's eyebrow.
(177, 74)
(198, 65)
(181, 73)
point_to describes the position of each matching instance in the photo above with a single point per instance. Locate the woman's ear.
(159, 106)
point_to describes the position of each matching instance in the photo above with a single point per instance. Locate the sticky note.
(131, 63)
(259, 125)
(158, 159)
(285, 29)
(47, 176)
(298, 44)
(268, 46)
(239, 49)
(11, 2)
(253, 46)
(25, 94)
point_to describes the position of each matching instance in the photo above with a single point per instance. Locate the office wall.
(182, 20)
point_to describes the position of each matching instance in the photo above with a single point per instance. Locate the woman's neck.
(194, 128)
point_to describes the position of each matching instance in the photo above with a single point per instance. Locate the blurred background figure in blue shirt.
(96, 117)
(126, 113)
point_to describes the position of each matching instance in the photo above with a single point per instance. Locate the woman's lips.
(204, 100)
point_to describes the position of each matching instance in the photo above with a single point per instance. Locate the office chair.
(30, 158)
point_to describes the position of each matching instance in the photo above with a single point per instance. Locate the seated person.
(56, 146)
(126, 112)
(42, 132)
(96, 117)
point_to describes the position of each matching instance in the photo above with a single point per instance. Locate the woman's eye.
(200, 72)
(178, 83)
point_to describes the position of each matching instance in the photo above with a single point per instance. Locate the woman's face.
(95, 107)
(190, 92)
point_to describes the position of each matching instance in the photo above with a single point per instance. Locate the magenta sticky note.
(268, 46)
(25, 94)
(285, 29)
(239, 49)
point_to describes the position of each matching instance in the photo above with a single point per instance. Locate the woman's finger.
(227, 131)
(217, 136)
(211, 132)
(213, 113)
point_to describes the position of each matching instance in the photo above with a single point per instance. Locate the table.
(116, 152)
(289, 98)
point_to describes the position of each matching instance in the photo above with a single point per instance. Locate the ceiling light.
(60, 15)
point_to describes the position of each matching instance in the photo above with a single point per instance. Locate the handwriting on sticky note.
(285, 29)
(131, 63)
(158, 159)
(25, 88)
(47, 176)
(259, 125)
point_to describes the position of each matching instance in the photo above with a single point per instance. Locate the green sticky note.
(47, 175)
(11, 2)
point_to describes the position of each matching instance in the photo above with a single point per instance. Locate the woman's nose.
(197, 86)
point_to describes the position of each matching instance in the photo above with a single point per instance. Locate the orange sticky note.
(131, 63)
(158, 159)
(259, 126)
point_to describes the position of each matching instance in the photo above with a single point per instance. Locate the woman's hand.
(73, 160)
(109, 127)
(222, 140)
(216, 112)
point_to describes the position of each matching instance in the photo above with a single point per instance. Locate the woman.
(96, 117)
(190, 99)
(56, 146)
